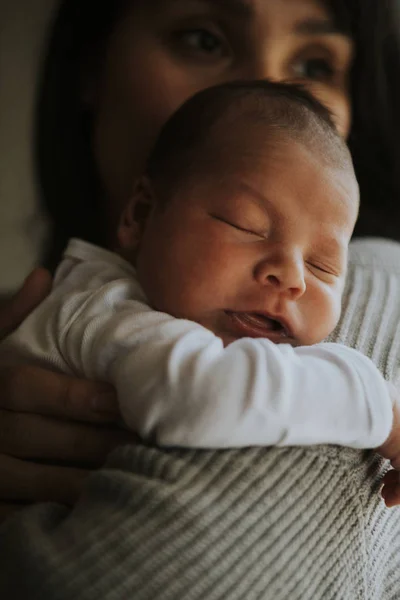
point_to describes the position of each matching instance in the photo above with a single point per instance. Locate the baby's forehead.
(248, 125)
(291, 172)
(252, 138)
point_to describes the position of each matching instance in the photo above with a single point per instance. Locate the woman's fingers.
(29, 482)
(35, 288)
(42, 417)
(39, 414)
(36, 437)
(391, 488)
(391, 495)
(391, 477)
(36, 390)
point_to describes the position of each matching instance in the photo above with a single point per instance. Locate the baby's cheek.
(323, 314)
(332, 315)
(176, 290)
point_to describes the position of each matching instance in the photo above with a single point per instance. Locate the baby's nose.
(283, 274)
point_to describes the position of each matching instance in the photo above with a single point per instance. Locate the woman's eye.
(317, 69)
(201, 41)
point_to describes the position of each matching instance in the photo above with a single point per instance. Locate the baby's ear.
(135, 214)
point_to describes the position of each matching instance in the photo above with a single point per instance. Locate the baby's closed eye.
(241, 224)
(329, 272)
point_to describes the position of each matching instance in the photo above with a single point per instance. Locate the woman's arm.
(48, 418)
(160, 524)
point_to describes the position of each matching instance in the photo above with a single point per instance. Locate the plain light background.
(23, 28)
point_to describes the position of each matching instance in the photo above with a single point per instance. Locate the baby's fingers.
(391, 489)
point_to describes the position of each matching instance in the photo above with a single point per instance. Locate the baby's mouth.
(259, 325)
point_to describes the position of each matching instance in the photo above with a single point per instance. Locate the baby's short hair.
(282, 108)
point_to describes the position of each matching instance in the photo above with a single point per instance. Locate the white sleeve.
(179, 386)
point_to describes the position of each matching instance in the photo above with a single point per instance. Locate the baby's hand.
(391, 450)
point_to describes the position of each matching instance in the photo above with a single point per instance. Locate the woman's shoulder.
(375, 252)
(370, 306)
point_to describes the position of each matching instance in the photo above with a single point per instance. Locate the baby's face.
(259, 252)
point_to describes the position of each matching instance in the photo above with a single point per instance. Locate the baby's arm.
(179, 386)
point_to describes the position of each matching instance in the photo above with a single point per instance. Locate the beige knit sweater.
(254, 524)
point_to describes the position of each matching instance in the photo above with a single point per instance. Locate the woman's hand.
(391, 450)
(53, 428)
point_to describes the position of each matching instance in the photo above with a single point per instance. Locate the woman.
(114, 73)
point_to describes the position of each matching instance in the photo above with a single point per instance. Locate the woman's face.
(164, 51)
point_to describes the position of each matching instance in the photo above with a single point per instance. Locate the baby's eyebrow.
(332, 248)
(257, 197)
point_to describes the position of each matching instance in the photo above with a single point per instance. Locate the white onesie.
(177, 385)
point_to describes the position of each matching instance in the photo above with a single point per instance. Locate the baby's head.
(243, 219)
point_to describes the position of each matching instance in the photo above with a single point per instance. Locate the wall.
(23, 24)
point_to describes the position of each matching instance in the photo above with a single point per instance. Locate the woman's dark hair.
(67, 174)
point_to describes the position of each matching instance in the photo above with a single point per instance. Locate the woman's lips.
(259, 326)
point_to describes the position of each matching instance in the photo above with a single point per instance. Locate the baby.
(209, 319)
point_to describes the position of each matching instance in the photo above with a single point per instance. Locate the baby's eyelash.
(329, 271)
(236, 226)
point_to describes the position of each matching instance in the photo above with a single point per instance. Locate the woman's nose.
(260, 67)
(284, 275)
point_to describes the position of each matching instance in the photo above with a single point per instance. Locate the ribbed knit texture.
(254, 524)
